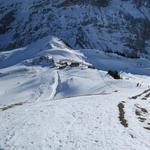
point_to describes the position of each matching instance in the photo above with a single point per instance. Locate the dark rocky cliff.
(121, 26)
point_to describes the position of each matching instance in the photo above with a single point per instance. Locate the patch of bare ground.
(122, 119)
(11, 106)
(141, 94)
(132, 136)
(140, 113)
(146, 96)
(147, 128)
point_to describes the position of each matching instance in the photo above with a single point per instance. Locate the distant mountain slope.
(49, 69)
(120, 26)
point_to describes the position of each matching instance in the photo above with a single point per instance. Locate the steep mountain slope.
(49, 64)
(110, 25)
(58, 65)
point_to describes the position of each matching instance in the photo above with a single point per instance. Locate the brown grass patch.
(140, 112)
(147, 128)
(12, 106)
(122, 119)
(144, 92)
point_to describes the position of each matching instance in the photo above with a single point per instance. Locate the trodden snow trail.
(47, 86)
(55, 84)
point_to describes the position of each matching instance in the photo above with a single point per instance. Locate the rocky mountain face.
(121, 26)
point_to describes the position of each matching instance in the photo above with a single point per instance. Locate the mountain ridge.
(120, 26)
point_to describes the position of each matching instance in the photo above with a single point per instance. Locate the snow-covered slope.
(89, 122)
(49, 67)
(54, 97)
(120, 26)
(56, 88)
